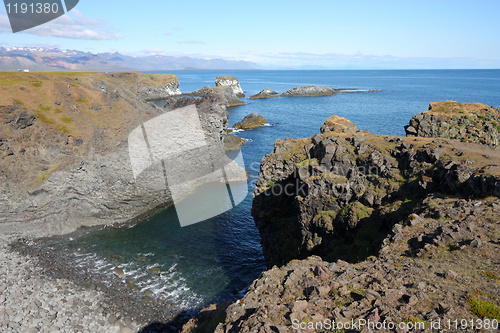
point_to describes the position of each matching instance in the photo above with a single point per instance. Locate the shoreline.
(31, 300)
(40, 291)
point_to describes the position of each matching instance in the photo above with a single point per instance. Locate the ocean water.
(217, 259)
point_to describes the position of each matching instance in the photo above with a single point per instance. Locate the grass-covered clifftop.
(64, 159)
(45, 118)
(337, 193)
(467, 122)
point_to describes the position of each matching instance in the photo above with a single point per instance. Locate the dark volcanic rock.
(395, 207)
(308, 91)
(21, 120)
(467, 122)
(265, 93)
(338, 193)
(232, 142)
(200, 92)
(251, 121)
(228, 93)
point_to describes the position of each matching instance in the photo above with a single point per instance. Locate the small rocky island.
(232, 82)
(264, 93)
(56, 127)
(250, 121)
(307, 91)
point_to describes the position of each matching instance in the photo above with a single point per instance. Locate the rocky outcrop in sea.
(467, 122)
(228, 93)
(250, 121)
(308, 91)
(232, 82)
(227, 86)
(265, 93)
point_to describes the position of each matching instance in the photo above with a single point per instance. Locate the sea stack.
(230, 81)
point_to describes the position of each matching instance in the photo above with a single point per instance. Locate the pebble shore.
(32, 302)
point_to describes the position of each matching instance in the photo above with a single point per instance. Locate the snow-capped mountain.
(39, 58)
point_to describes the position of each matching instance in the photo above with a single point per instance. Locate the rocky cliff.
(64, 151)
(337, 193)
(467, 122)
(407, 230)
(232, 82)
(228, 93)
(227, 86)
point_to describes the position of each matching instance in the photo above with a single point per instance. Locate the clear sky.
(299, 34)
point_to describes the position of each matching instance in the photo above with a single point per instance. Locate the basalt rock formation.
(467, 122)
(308, 91)
(232, 82)
(338, 193)
(399, 232)
(64, 147)
(228, 93)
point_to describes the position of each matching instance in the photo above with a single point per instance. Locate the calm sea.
(218, 258)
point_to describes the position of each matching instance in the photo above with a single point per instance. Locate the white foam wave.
(169, 284)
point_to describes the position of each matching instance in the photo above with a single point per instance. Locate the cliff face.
(467, 122)
(164, 91)
(338, 193)
(65, 157)
(232, 82)
(416, 218)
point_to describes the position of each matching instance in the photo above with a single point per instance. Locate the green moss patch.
(484, 309)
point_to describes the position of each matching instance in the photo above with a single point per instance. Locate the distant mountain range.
(38, 59)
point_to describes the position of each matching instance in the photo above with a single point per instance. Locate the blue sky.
(298, 34)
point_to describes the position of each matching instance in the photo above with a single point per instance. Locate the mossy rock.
(154, 270)
(119, 271)
(251, 121)
(232, 142)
